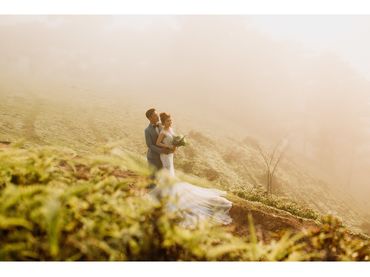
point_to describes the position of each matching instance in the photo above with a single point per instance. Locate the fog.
(223, 72)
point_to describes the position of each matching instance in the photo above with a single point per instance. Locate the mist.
(215, 72)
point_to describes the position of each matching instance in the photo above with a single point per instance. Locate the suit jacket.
(151, 137)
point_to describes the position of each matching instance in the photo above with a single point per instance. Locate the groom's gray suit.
(153, 150)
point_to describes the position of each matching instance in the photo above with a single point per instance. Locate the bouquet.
(179, 141)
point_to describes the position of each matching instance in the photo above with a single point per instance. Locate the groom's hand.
(167, 151)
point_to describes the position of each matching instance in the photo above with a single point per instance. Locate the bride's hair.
(164, 117)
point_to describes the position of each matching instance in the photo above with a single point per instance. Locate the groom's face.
(154, 118)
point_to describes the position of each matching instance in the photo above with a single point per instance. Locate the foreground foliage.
(57, 205)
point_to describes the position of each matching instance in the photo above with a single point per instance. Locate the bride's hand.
(171, 148)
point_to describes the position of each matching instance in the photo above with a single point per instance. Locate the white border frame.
(177, 7)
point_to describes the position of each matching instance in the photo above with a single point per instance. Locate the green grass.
(281, 203)
(56, 204)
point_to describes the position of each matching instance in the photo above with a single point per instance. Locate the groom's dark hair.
(149, 113)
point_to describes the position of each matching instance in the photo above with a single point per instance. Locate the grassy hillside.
(85, 120)
(56, 204)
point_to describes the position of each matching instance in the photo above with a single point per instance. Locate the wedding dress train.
(195, 204)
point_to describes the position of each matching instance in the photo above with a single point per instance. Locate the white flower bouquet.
(179, 141)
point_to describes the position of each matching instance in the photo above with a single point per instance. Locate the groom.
(151, 135)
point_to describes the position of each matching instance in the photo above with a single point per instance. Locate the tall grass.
(58, 205)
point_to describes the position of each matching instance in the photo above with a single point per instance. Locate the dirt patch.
(4, 144)
(267, 223)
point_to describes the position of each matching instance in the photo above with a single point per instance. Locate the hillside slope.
(85, 121)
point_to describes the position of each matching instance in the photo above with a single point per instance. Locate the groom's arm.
(152, 146)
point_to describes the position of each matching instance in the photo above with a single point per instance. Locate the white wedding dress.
(193, 203)
(167, 159)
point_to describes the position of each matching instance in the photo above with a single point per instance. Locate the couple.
(193, 202)
(159, 138)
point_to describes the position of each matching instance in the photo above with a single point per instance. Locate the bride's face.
(168, 122)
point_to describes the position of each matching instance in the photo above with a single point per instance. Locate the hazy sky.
(347, 36)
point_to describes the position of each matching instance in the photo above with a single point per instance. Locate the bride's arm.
(159, 141)
(151, 144)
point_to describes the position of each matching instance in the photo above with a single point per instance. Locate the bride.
(193, 202)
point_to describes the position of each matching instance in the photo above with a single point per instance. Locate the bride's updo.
(164, 117)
